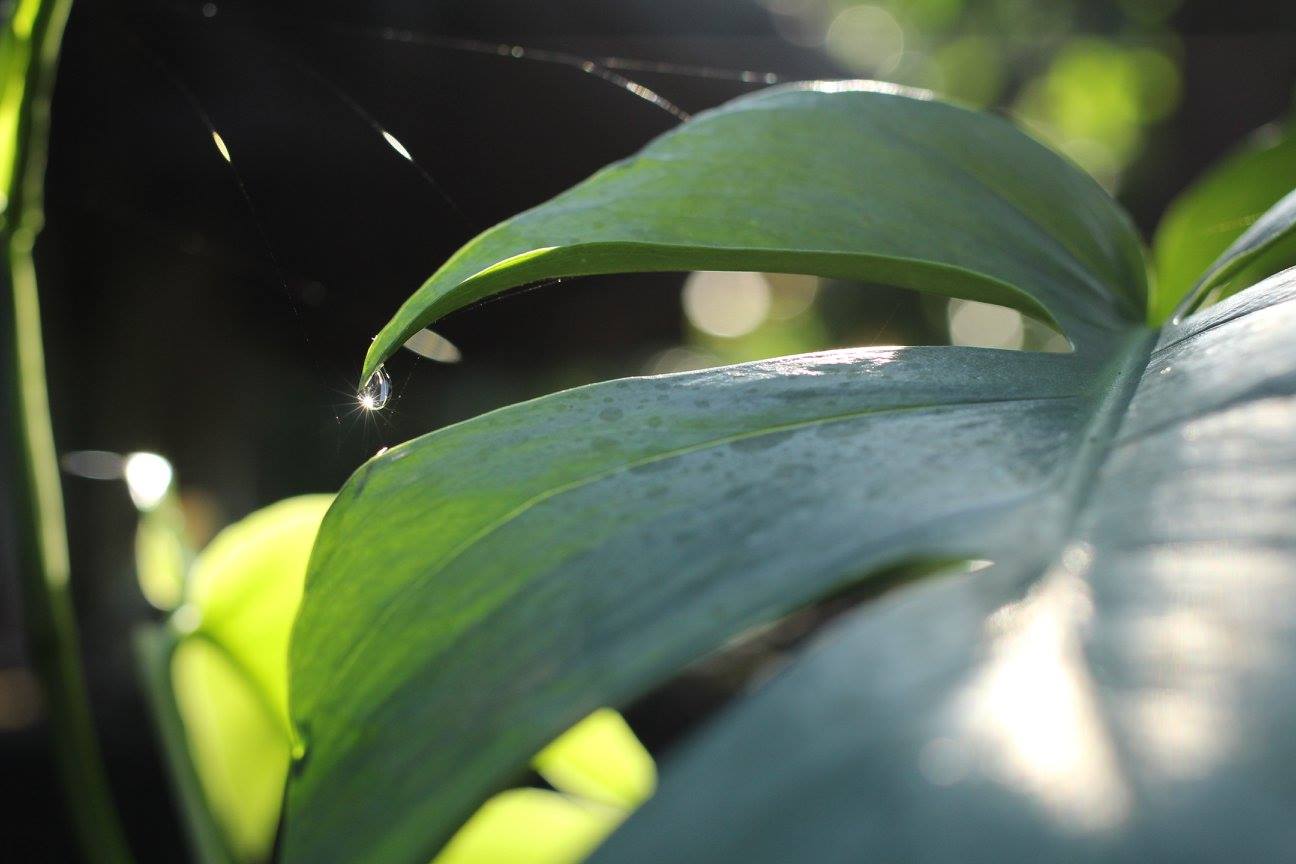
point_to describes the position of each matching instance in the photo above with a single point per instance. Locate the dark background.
(225, 331)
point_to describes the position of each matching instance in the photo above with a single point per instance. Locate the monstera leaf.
(1116, 685)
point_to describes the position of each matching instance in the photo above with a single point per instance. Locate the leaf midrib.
(1120, 381)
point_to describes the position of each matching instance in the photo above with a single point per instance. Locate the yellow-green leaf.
(601, 759)
(531, 826)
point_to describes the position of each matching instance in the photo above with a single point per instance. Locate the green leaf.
(1130, 699)
(476, 591)
(246, 586)
(161, 555)
(1211, 216)
(600, 759)
(842, 179)
(605, 773)
(227, 684)
(229, 673)
(208, 841)
(1267, 244)
(238, 747)
(531, 826)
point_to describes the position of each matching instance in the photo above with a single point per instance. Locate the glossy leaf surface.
(627, 528)
(839, 179)
(476, 591)
(1128, 700)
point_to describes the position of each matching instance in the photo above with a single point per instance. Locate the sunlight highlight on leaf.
(1034, 709)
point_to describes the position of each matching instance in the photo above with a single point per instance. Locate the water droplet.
(376, 391)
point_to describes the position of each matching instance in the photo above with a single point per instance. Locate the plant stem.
(28, 53)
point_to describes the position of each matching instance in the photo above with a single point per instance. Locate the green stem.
(28, 57)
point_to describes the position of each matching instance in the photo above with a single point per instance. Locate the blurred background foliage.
(210, 299)
(1090, 78)
(216, 674)
(1202, 222)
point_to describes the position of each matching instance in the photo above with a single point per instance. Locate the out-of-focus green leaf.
(1101, 92)
(1212, 214)
(229, 678)
(972, 68)
(531, 826)
(161, 555)
(1097, 99)
(154, 650)
(1270, 241)
(841, 179)
(246, 585)
(605, 774)
(229, 674)
(237, 744)
(600, 759)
